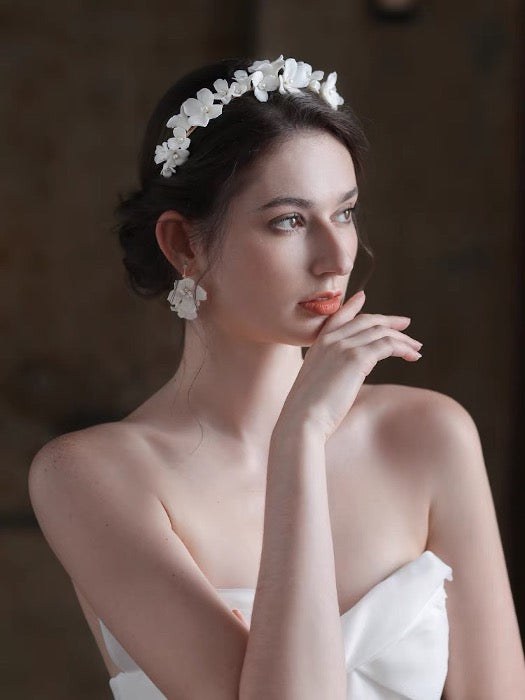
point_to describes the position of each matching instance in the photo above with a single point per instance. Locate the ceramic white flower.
(262, 84)
(179, 141)
(178, 120)
(222, 90)
(268, 67)
(315, 78)
(201, 109)
(294, 77)
(184, 299)
(241, 84)
(173, 160)
(329, 93)
(162, 152)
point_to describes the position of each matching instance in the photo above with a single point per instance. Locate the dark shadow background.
(441, 97)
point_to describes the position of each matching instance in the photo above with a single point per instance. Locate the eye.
(292, 219)
(347, 214)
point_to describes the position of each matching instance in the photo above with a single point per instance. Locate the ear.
(172, 232)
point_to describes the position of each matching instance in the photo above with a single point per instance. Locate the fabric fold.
(392, 606)
(395, 637)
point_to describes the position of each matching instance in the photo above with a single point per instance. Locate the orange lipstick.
(323, 306)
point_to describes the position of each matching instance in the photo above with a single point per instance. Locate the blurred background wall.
(438, 93)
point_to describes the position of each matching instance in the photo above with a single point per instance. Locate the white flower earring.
(184, 298)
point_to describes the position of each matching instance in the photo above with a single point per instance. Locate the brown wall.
(438, 99)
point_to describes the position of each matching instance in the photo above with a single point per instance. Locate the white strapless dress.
(395, 638)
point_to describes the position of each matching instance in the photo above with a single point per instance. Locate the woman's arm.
(486, 657)
(298, 652)
(93, 498)
(296, 646)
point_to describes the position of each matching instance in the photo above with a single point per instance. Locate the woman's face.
(290, 236)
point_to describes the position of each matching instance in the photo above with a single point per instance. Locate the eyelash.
(288, 217)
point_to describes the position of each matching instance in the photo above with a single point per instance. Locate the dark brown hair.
(202, 188)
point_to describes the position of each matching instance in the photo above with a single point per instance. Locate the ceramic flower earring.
(184, 298)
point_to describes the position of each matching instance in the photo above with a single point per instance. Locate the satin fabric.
(395, 638)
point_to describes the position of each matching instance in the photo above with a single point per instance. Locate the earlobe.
(171, 232)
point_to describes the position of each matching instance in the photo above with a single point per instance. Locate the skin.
(404, 466)
(252, 322)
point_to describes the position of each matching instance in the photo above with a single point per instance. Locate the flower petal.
(192, 107)
(205, 96)
(161, 152)
(237, 89)
(201, 294)
(214, 111)
(178, 120)
(198, 119)
(261, 95)
(221, 86)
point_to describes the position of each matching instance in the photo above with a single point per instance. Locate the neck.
(237, 387)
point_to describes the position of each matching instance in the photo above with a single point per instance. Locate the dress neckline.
(411, 562)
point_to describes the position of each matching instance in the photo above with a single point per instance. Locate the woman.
(326, 513)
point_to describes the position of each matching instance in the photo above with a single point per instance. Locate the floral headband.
(285, 75)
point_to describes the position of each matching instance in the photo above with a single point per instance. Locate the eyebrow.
(299, 202)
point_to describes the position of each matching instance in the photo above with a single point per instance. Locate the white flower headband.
(285, 75)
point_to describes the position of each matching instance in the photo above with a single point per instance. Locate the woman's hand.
(344, 353)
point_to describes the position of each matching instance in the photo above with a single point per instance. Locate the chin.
(304, 338)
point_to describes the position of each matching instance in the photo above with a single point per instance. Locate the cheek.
(256, 278)
(262, 259)
(235, 272)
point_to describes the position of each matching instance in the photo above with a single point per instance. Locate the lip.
(321, 296)
(323, 307)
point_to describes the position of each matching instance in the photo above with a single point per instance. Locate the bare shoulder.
(99, 453)
(411, 401)
(91, 438)
(418, 426)
(422, 438)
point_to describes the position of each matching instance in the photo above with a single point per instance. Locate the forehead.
(313, 165)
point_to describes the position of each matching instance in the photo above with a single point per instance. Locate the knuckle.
(355, 352)
(387, 342)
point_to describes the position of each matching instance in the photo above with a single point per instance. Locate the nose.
(334, 247)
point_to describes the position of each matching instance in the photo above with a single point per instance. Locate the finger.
(393, 347)
(366, 321)
(346, 312)
(376, 332)
(385, 347)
